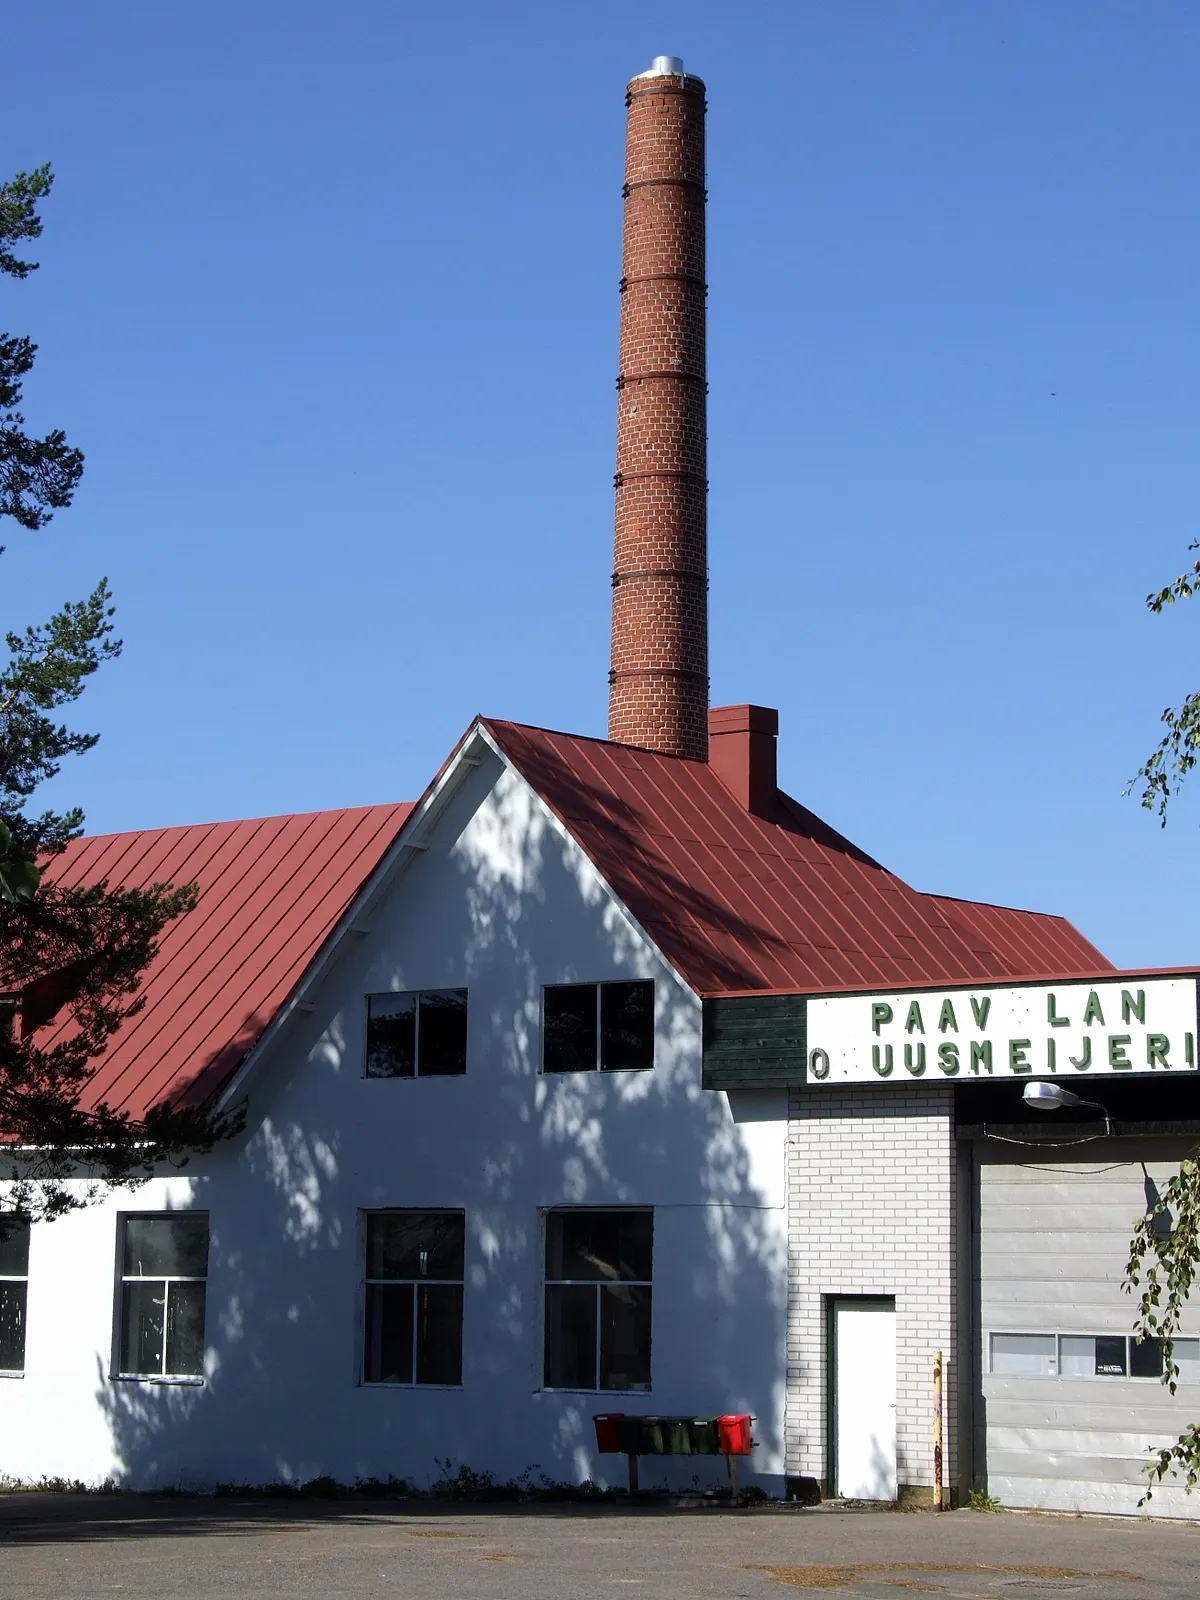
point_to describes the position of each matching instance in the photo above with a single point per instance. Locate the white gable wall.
(500, 901)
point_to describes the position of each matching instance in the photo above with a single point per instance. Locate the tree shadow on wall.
(502, 903)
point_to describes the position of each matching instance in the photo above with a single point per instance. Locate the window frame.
(365, 1281)
(417, 994)
(1128, 1376)
(15, 1277)
(600, 984)
(598, 1285)
(117, 1372)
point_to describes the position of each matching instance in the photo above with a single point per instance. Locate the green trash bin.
(629, 1435)
(703, 1431)
(652, 1436)
(677, 1436)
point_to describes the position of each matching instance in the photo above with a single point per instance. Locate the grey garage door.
(1071, 1404)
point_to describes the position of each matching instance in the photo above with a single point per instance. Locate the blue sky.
(328, 297)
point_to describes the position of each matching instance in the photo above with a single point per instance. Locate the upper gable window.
(605, 1026)
(418, 1033)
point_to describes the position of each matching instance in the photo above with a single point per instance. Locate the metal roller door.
(1070, 1404)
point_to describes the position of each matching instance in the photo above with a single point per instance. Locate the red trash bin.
(608, 1439)
(733, 1433)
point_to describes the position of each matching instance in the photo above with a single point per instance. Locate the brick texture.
(871, 1210)
(658, 685)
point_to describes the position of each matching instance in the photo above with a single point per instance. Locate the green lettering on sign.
(947, 1018)
(881, 1012)
(1091, 1011)
(917, 1067)
(1157, 1047)
(883, 1068)
(818, 1063)
(1052, 1015)
(948, 1057)
(1116, 1050)
(1189, 1049)
(980, 1008)
(1086, 1060)
(1051, 1055)
(981, 1053)
(1131, 1007)
(1017, 1060)
(914, 1019)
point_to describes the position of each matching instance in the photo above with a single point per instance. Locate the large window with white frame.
(598, 1288)
(417, 1033)
(606, 1027)
(164, 1273)
(414, 1297)
(14, 1290)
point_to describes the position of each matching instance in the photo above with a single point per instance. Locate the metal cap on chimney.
(664, 67)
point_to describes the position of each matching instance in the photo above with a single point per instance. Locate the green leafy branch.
(1163, 1256)
(1163, 772)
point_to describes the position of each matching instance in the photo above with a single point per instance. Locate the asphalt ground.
(67, 1547)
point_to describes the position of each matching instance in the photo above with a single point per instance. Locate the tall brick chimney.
(658, 685)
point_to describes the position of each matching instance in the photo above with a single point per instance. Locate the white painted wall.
(502, 902)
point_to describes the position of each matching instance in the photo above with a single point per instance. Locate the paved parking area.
(67, 1547)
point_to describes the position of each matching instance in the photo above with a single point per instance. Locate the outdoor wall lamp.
(1053, 1097)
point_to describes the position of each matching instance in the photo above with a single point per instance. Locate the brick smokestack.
(658, 686)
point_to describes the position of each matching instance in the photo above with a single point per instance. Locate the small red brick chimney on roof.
(658, 685)
(741, 751)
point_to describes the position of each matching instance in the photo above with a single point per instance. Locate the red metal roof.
(736, 902)
(271, 891)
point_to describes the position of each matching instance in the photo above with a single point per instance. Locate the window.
(164, 1265)
(1088, 1355)
(14, 1286)
(414, 1303)
(605, 1025)
(598, 1276)
(420, 1033)
(1025, 1355)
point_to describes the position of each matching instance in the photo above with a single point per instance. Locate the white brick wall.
(871, 1211)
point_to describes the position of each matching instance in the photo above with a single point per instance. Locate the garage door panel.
(1052, 1245)
(1156, 1417)
(1113, 1499)
(1107, 1457)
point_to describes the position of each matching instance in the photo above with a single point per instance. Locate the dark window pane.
(172, 1247)
(1145, 1358)
(415, 1244)
(439, 1333)
(626, 1026)
(12, 1326)
(391, 1035)
(1110, 1356)
(569, 1028)
(600, 1246)
(570, 1337)
(14, 1247)
(624, 1337)
(442, 1048)
(185, 1329)
(142, 1312)
(389, 1344)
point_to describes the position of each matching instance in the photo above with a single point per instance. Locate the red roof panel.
(737, 902)
(271, 892)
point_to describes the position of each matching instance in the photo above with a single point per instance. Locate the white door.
(864, 1345)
